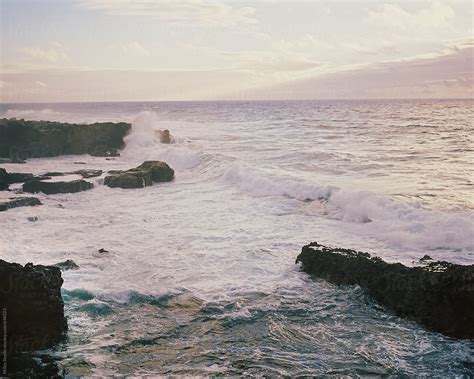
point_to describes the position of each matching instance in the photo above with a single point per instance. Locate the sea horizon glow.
(142, 50)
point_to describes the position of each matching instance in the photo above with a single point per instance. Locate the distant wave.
(402, 224)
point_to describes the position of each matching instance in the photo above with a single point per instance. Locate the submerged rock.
(67, 265)
(49, 188)
(20, 139)
(425, 258)
(87, 173)
(30, 297)
(439, 296)
(19, 202)
(165, 136)
(141, 176)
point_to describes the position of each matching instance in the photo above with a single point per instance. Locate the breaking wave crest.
(143, 143)
(406, 225)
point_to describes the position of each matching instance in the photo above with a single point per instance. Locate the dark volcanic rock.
(439, 295)
(3, 186)
(67, 265)
(160, 171)
(20, 139)
(10, 160)
(165, 136)
(136, 179)
(30, 298)
(141, 176)
(49, 188)
(18, 177)
(19, 202)
(105, 152)
(88, 173)
(54, 173)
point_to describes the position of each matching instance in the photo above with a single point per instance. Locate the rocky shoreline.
(33, 309)
(438, 295)
(20, 139)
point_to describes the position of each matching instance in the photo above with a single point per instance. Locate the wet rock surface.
(142, 176)
(439, 296)
(68, 264)
(32, 306)
(49, 188)
(20, 139)
(19, 202)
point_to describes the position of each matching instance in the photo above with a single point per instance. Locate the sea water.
(199, 275)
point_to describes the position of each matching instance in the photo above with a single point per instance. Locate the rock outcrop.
(20, 139)
(7, 178)
(439, 295)
(68, 264)
(142, 176)
(49, 188)
(32, 306)
(16, 202)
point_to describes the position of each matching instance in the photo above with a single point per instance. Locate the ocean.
(200, 275)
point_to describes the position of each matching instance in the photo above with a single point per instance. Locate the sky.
(146, 50)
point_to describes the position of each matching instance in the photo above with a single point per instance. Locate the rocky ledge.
(32, 306)
(15, 202)
(146, 174)
(439, 295)
(49, 188)
(20, 139)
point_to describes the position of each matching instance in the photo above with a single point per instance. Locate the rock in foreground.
(439, 295)
(30, 297)
(142, 176)
(49, 188)
(19, 202)
(20, 139)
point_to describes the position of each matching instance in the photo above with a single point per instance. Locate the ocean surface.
(200, 275)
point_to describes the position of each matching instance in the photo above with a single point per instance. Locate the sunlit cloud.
(54, 52)
(135, 49)
(436, 16)
(182, 12)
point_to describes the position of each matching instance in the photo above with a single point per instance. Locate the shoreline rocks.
(50, 188)
(20, 139)
(145, 175)
(19, 202)
(32, 306)
(439, 296)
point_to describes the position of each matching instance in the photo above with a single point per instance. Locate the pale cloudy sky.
(105, 50)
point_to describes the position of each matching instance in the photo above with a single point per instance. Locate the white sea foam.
(406, 225)
(143, 143)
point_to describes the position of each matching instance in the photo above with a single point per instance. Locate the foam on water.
(143, 143)
(406, 225)
(199, 277)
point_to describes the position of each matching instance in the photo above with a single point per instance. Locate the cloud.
(392, 16)
(448, 75)
(182, 12)
(54, 52)
(135, 49)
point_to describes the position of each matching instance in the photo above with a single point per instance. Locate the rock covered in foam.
(439, 295)
(142, 176)
(32, 306)
(49, 188)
